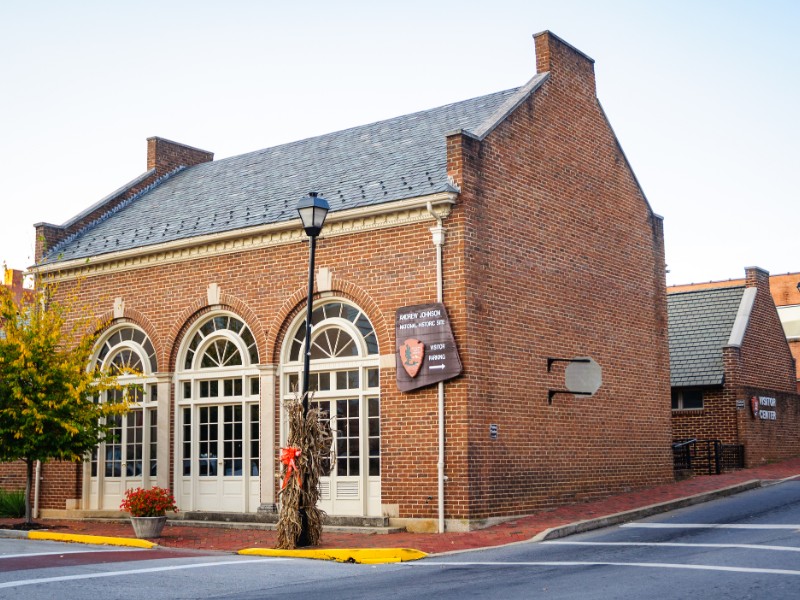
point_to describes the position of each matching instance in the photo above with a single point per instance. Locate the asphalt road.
(746, 546)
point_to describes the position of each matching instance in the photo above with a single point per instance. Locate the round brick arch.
(340, 288)
(134, 317)
(199, 308)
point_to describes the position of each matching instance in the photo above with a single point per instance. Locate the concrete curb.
(100, 540)
(366, 556)
(640, 513)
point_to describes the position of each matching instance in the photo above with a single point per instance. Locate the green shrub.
(12, 503)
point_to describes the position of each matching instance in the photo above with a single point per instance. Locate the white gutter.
(36, 488)
(438, 240)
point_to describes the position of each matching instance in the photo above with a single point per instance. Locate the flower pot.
(148, 527)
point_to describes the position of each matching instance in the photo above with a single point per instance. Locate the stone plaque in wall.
(426, 348)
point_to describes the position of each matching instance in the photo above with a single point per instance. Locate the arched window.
(335, 342)
(345, 380)
(217, 416)
(127, 457)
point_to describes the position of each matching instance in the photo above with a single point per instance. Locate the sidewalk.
(555, 523)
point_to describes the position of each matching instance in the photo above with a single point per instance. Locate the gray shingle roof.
(700, 324)
(390, 160)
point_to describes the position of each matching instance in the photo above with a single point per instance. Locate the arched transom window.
(335, 342)
(127, 349)
(221, 341)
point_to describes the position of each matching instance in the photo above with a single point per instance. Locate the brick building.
(13, 280)
(519, 208)
(732, 372)
(785, 290)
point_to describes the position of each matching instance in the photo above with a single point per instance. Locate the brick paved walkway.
(519, 529)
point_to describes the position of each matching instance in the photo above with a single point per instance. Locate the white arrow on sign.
(436, 367)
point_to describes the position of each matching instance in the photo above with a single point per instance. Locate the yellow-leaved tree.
(48, 395)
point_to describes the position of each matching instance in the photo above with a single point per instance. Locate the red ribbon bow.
(288, 456)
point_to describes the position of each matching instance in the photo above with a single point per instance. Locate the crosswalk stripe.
(23, 582)
(679, 545)
(426, 563)
(709, 526)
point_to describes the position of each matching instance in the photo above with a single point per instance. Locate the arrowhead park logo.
(411, 354)
(754, 405)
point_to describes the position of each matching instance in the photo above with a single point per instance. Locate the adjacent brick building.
(785, 290)
(733, 375)
(549, 250)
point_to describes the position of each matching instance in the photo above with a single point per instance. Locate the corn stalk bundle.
(311, 434)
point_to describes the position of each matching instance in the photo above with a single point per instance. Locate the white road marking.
(678, 545)
(708, 526)
(34, 554)
(424, 563)
(21, 582)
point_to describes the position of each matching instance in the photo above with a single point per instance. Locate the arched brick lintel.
(134, 317)
(199, 308)
(340, 288)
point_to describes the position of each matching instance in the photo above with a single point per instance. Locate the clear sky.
(703, 96)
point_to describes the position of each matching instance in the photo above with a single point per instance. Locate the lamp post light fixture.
(313, 209)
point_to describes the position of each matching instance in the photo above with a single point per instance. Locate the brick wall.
(60, 481)
(766, 360)
(768, 440)
(717, 420)
(563, 259)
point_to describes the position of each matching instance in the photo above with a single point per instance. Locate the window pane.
(325, 381)
(692, 399)
(373, 378)
(374, 466)
(254, 386)
(374, 427)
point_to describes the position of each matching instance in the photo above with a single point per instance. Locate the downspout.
(438, 240)
(36, 487)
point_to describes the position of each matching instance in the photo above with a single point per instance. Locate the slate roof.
(390, 160)
(700, 324)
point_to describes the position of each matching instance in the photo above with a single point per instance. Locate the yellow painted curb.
(90, 539)
(366, 556)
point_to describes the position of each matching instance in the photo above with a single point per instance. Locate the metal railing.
(710, 457)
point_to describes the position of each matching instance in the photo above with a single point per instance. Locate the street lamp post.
(313, 209)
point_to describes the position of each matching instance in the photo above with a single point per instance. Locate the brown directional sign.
(426, 348)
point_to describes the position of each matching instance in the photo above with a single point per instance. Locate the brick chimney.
(561, 59)
(165, 155)
(13, 279)
(758, 278)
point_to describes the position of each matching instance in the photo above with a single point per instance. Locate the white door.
(353, 486)
(220, 483)
(125, 460)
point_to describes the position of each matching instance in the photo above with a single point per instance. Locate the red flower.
(154, 502)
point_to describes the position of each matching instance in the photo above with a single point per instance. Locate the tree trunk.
(28, 490)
